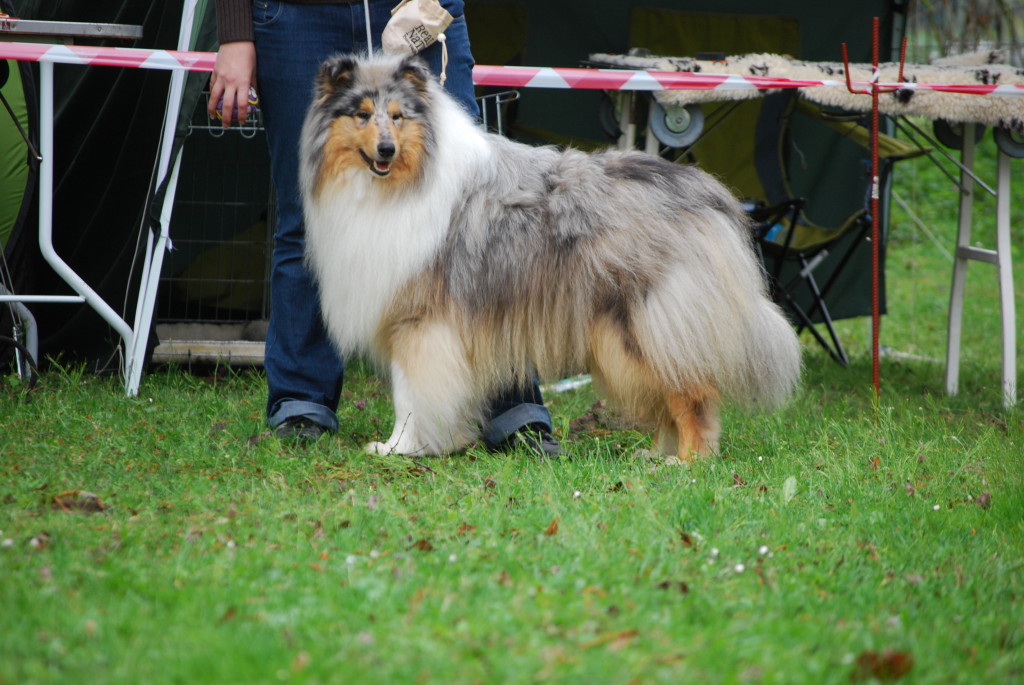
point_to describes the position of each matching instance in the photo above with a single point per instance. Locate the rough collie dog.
(464, 261)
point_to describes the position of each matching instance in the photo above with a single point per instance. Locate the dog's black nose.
(386, 150)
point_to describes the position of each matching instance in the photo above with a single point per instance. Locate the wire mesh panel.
(221, 227)
(494, 109)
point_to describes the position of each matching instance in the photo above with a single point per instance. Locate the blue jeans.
(304, 372)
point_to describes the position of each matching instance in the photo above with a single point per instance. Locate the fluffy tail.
(711, 322)
(773, 358)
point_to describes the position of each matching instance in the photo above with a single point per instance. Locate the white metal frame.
(158, 245)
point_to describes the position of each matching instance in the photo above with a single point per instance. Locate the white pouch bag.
(416, 25)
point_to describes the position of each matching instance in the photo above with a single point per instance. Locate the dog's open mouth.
(381, 168)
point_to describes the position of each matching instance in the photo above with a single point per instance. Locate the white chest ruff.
(363, 246)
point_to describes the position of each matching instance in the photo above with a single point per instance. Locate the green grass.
(841, 539)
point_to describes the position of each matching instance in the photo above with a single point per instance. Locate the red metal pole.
(876, 243)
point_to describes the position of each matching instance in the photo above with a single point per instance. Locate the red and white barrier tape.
(483, 75)
(628, 79)
(108, 57)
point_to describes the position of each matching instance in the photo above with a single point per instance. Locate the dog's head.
(370, 115)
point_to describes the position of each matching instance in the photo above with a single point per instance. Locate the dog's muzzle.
(382, 165)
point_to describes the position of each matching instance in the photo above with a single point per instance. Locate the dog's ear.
(416, 71)
(336, 73)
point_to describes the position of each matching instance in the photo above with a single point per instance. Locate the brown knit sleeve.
(234, 20)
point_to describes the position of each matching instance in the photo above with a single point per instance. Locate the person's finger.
(226, 104)
(241, 105)
(216, 91)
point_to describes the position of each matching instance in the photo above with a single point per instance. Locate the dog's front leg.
(404, 437)
(433, 392)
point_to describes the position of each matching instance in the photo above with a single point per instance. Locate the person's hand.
(233, 73)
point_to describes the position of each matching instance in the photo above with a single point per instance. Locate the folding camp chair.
(804, 261)
(778, 246)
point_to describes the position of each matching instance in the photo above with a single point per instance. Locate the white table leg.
(963, 242)
(1005, 264)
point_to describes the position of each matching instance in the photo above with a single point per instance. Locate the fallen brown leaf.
(417, 600)
(40, 541)
(254, 440)
(888, 665)
(78, 501)
(218, 427)
(318, 530)
(301, 661)
(677, 585)
(552, 528)
(423, 545)
(598, 420)
(762, 579)
(869, 550)
(615, 641)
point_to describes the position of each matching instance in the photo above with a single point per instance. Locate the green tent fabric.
(14, 165)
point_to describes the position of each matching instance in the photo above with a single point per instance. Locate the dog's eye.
(363, 115)
(397, 116)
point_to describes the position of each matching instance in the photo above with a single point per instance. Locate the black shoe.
(537, 439)
(299, 428)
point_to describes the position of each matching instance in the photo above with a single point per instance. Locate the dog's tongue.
(382, 167)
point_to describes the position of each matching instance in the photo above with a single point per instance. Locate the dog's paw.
(379, 449)
(402, 448)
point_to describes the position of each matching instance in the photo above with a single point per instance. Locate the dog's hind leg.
(697, 425)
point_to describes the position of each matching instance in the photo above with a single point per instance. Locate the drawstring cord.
(444, 57)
